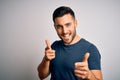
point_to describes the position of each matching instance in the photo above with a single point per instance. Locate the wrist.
(89, 75)
(46, 59)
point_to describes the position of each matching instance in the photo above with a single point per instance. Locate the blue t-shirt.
(62, 66)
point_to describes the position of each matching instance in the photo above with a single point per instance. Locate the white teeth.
(66, 35)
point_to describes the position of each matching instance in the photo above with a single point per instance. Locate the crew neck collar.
(72, 44)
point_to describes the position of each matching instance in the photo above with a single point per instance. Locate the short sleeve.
(94, 60)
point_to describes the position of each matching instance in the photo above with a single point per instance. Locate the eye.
(68, 24)
(59, 27)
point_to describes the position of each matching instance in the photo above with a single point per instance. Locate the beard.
(71, 39)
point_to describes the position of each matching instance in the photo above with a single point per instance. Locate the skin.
(66, 29)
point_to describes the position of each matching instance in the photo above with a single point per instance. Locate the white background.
(25, 24)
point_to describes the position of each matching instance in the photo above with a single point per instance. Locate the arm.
(43, 68)
(82, 71)
(95, 75)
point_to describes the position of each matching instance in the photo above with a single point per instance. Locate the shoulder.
(56, 43)
(85, 43)
(90, 46)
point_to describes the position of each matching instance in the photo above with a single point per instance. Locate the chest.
(65, 58)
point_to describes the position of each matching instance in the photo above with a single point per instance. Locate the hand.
(81, 68)
(49, 53)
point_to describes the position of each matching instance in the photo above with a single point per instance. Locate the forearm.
(43, 68)
(93, 76)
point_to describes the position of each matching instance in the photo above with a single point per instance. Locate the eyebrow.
(68, 23)
(58, 25)
(65, 24)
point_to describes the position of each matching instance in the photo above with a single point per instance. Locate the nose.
(64, 30)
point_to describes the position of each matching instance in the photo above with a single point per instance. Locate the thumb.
(86, 56)
(47, 44)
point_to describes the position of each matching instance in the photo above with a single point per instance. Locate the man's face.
(66, 28)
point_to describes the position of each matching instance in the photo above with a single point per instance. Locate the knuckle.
(83, 77)
(84, 73)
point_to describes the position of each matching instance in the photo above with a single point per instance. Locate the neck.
(75, 40)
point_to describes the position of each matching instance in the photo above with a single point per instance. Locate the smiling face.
(66, 28)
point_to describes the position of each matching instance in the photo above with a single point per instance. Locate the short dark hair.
(61, 11)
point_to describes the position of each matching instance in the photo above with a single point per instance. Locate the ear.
(54, 26)
(76, 24)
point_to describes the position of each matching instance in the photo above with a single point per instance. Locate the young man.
(72, 57)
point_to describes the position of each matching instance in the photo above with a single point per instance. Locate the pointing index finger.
(48, 44)
(86, 56)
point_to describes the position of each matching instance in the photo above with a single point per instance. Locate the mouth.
(66, 36)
